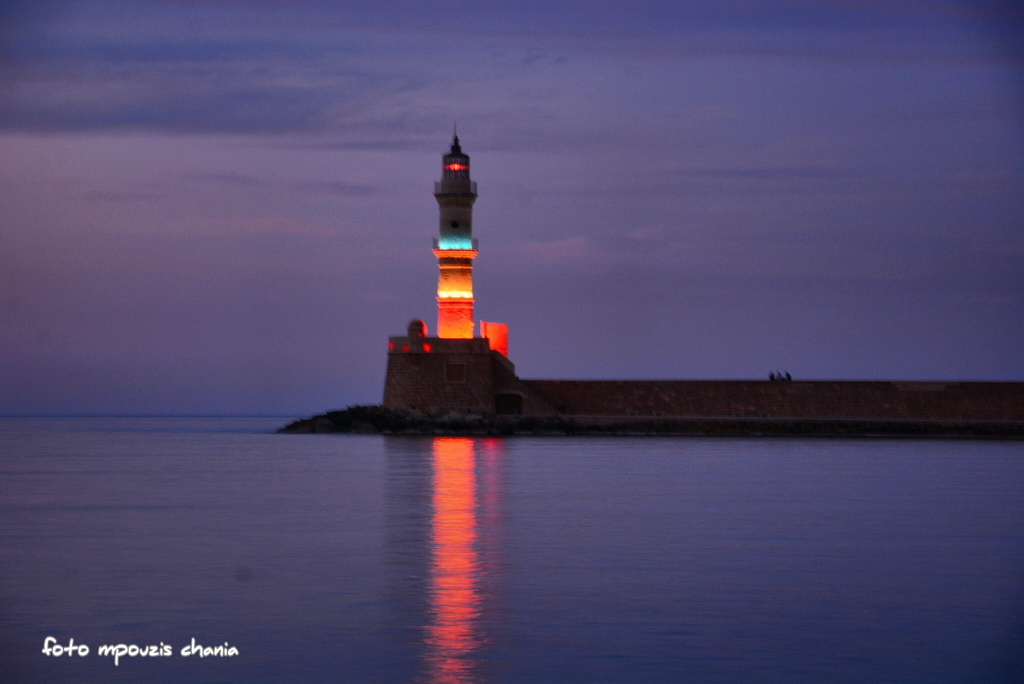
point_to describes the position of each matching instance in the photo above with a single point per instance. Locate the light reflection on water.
(464, 537)
(455, 602)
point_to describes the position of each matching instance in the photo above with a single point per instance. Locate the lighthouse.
(453, 370)
(455, 249)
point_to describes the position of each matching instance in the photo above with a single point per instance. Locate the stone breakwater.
(388, 421)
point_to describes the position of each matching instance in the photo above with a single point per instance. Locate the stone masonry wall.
(446, 375)
(989, 401)
(465, 375)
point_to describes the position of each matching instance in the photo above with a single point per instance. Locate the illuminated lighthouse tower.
(456, 248)
(455, 371)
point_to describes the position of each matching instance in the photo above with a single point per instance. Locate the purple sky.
(226, 206)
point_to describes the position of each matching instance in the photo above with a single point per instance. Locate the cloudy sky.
(225, 206)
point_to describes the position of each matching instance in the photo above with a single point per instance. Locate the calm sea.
(366, 558)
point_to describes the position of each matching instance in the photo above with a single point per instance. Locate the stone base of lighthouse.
(439, 375)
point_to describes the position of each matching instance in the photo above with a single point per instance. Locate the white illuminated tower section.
(456, 248)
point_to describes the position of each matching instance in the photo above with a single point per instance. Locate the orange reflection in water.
(455, 599)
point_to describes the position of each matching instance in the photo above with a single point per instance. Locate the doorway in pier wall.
(508, 403)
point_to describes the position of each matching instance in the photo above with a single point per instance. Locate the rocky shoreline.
(380, 420)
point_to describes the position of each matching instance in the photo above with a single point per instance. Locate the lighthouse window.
(455, 224)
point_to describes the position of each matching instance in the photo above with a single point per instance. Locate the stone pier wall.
(817, 399)
(466, 376)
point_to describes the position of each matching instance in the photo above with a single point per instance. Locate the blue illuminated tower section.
(456, 248)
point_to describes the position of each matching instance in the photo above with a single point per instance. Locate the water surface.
(369, 558)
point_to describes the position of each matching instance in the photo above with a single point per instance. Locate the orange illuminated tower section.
(456, 248)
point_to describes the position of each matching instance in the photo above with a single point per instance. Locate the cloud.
(155, 66)
(768, 173)
(243, 180)
(119, 196)
(232, 98)
(226, 178)
(313, 67)
(337, 188)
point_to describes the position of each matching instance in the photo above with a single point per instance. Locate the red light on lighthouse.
(456, 167)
